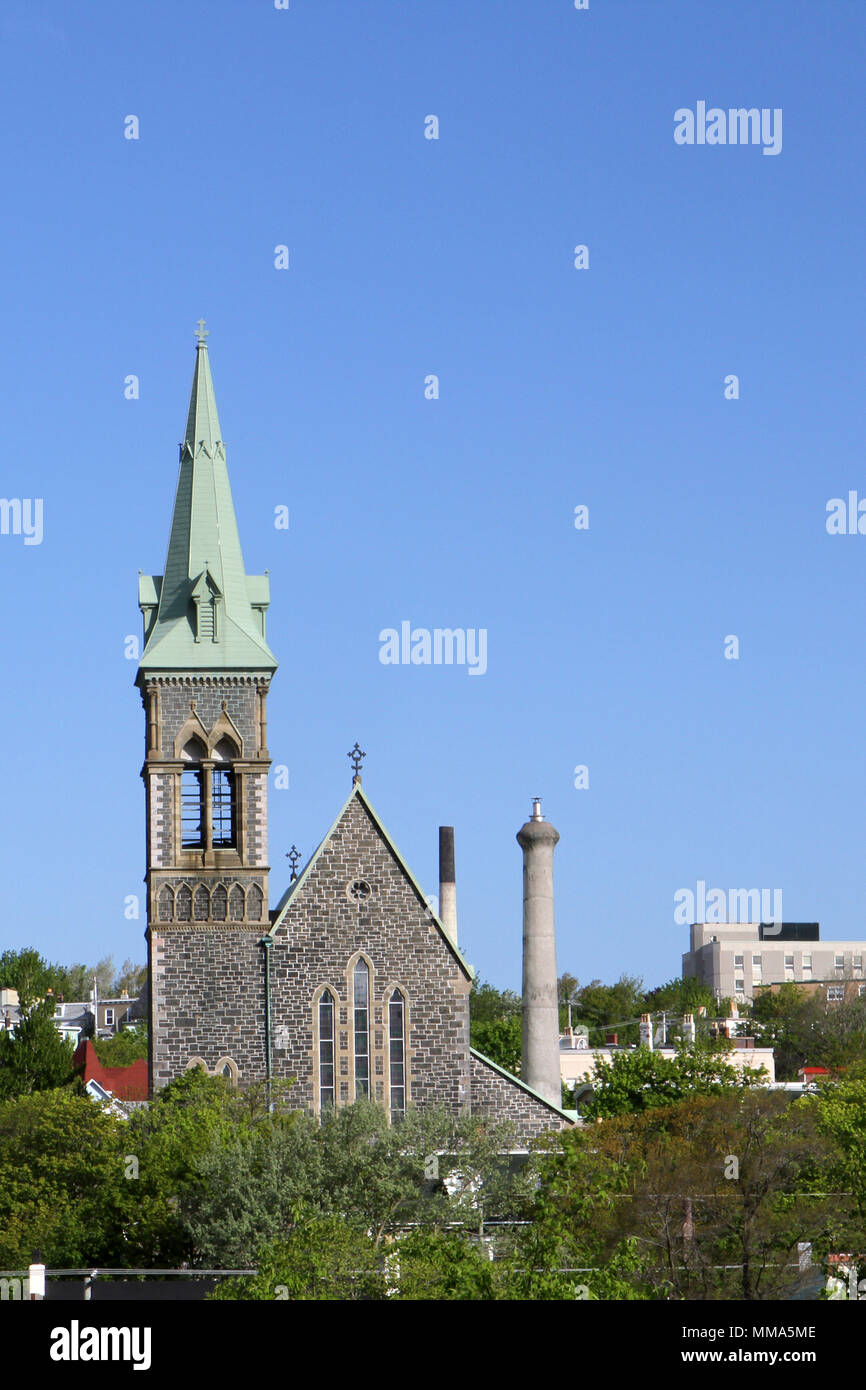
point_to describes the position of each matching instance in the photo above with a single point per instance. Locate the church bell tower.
(204, 676)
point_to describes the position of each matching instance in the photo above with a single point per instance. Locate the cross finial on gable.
(293, 856)
(356, 757)
(201, 332)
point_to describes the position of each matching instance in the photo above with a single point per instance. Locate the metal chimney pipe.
(447, 883)
(540, 1068)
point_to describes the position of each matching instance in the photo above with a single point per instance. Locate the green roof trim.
(570, 1115)
(205, 613)
(288, 897)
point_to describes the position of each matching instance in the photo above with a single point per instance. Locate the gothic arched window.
(227, 1067)
(192, 821)
(361, 1001)
(327, 1075)
(397, 1053)
(223, 818)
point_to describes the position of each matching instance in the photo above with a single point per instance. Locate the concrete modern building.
(351, 986)
(735, 958)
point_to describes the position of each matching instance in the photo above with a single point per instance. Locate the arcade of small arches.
(197, 902)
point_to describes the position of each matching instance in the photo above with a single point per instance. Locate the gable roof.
(123, 1083)
(570, 1115)
(296, 887)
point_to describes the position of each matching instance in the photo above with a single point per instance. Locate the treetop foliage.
(34, 1057)
(641, 1080)
(27, 972)
(808, 1030)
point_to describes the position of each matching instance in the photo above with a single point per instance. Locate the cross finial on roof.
(356, 757)
(201, 332)
(293, 856)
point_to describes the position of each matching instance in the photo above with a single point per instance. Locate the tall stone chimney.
(540, 1068)
(447, 884)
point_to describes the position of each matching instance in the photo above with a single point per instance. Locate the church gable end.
(396, 1024)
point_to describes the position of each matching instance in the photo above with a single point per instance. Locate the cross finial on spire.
(293, 856)
(356, 757)
(201, 333)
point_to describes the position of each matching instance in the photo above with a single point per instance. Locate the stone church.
(351, 985)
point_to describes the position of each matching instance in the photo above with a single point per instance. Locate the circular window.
(358, 891)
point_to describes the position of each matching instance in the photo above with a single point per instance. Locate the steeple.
(205, 612)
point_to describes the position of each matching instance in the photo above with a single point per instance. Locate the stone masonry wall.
(208, 693)
(208, 1000)
(316, 945)
(493, 1094)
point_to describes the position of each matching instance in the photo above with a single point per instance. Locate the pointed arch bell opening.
(224, 796)
(192, 795)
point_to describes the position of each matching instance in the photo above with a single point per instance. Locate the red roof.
(125, 1083)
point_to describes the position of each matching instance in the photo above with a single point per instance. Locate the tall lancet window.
(192, 821)
(327, 1081)
(397, 1053)
(361, 982)
(223, 807)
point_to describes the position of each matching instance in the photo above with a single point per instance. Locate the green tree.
(75, 983)
(103, 973)
(681, 996)
(186, 1118)
(643, 1080)
(33, 1056)
(809, 1030)
(125, 1047)
(432, 1169)
(566, 1250)
(130, 977)
(599, 1007)
(245, 1190)
(500, 1039)
(486, 1002)
(443, 1265)
(321, 1258)
(708, 1198)
(496, 1024)
(62, 1189)
(27, 972)
(841, 1116)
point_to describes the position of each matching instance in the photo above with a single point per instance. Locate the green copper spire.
(206, 612)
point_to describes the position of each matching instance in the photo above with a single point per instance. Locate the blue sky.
(558, 387)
